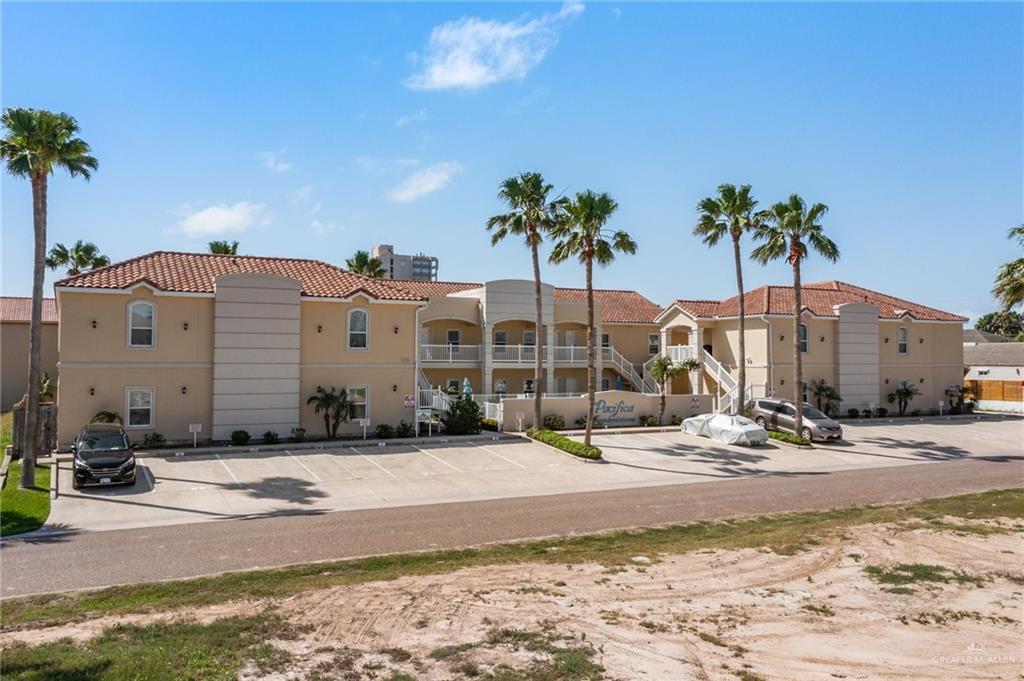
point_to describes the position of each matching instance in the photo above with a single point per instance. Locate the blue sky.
(311, 130)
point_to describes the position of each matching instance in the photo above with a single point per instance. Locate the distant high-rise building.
(420, 267)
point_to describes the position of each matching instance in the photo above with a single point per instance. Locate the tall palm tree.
(1009, 285)
(36, 142)
(362, 263)
(224, 247)
(532, 216)
(582, 234)
(83, 256)
(788, 228)
(732, 212)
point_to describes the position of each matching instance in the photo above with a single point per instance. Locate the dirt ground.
(748, 614)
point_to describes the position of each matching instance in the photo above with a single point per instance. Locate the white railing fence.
(434, 399)
(726, 383)
(613, 358)
(570, 354)
(513, 354)
(450, 353)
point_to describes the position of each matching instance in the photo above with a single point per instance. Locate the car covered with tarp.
(728, 429)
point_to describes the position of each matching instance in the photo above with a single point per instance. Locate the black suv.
(103, 456)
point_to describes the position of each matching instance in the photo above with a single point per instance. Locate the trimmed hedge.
(790, 438)
(550, 437)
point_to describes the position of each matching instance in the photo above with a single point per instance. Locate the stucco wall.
(14, 359)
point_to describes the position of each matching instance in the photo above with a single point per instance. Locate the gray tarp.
(727, 429)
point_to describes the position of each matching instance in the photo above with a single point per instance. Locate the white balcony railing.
(570, 354)
(449, 353)
(679, 353)
(514, 354)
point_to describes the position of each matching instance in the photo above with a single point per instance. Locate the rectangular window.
(501, 386)
(902, 346)
(454, 385)
(500, 337)
(605, 384)
(606, 341)
(528, 386)
(653, 343)
(454, 336)
(803, 338)
(139, 407)
(358, 402)
(529, 337)
(803, 392)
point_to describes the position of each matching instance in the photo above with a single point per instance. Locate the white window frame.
(532, 387)
(454, 384)
(349, 332)
(606, 384)
(653, 341)
(606, 340)
(365, 403)
(902, 346)
(803, 335)
(152, 330)
(804, 393)
(504, 337)
(128, 390)
(527, 333)
(501, 387)
(448, 337)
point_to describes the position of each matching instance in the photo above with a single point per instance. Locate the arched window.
(902, 346)
(803, 338)
(141, 324)
(358, 330)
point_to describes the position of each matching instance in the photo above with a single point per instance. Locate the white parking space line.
(436, 458)
(299, 461)
(503, 458)
(148, 474)
(373, 462)
(654, 439)
(230, 472)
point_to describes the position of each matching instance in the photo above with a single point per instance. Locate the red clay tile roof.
(617, 307)
(819, 298)
(195, 273)
(434, 288)
(13, 309)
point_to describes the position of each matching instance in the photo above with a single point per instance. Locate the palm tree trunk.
(798, 368)
(31, 443)
(591, 349)
(538, 366)
(743, 325)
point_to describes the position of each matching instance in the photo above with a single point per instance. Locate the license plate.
(104, 481)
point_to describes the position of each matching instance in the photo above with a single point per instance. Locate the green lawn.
(24, 510)
(784, 533)
(6, 429)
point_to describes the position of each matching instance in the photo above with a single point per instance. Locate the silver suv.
(781, 415)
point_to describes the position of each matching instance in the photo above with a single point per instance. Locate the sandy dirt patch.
(748, 614)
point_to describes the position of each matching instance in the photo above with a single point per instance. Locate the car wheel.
(806, 433)
(760, 421)
(75, 484)
(130, 483)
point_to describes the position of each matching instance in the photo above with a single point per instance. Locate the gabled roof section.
(17, 309)
(428, 289)
(819, 299)
(994, 354)
(978, 336)
(617, 306)
(195, 273)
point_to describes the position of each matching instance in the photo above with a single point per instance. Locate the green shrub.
(404, 429)
(559, 441)
(153, 440)
(677, 419)
(240, 437)
(489, 424)
(384, 431)
(789, 437)
(554, 422)
(581, 422)
(648, 420)
(915, 412)
(853, 412)
(463, 417)
(270, 438)
(881, 412)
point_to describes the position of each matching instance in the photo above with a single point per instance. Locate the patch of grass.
(559, 441)
(747, 675)
(446, 652)
(157, 652)
(899, 590)
(6, 430)
(24, 510)
(397, 654)
(822, 609)
(912, 573)
(790, 438)
(772, 532)
(712, 639)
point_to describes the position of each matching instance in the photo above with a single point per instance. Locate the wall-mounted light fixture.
(921, 381)
(782, 381)
(319, 328)
(184, 390)
(394, 388)
(185, 326)
(94, 324)
(887, 381)
(886, 339)
(92, 391)
(920, 340)
(396, 329)
(822, 339)
(782, 338)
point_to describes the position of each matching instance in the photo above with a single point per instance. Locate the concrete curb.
(847, 421)
(8, 453)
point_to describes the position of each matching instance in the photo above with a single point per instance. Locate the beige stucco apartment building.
(14, 322)
(221, 343)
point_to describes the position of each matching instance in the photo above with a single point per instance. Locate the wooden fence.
(1001, 391)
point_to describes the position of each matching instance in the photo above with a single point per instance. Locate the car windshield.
(102, 441)
(812, 413)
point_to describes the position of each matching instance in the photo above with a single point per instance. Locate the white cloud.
(322, 228)
(470, 53)
(617, 13)
(408, 119)
(220, 219)
(302, 194)
(275, 162)
(426, 181)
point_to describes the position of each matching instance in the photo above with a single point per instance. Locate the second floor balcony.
(449, 353)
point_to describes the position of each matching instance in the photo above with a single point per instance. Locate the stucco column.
(486, 365)
(697, 377)
(664, 350)
(598, 358)
(549, 359)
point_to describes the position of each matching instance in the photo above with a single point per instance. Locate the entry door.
(570, 338)
(571, 385)
(785, 418)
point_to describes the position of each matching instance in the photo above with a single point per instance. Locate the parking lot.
(244, 484)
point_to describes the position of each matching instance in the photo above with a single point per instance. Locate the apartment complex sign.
(616, 412)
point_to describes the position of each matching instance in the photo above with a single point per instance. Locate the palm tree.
(362, 263)
(902, 396)
(35, 143)
(334, 406)
(1009, 285)
(731, 212)
(788, 228)
(581, 233)
(224, 247)
(825, 396)
(532, 216)
(83, 256)
(662, 370)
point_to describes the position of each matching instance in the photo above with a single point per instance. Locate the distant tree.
(362, 263)
(790, 230)
(1009, 285)
(83, 256)
(224, 247)
(1004, 323)
(35, 143)
(581, 233)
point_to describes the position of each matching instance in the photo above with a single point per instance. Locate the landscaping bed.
(559, 441)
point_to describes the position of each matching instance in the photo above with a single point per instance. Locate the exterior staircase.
(729, 401)
(610, 357)
(429, 397)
